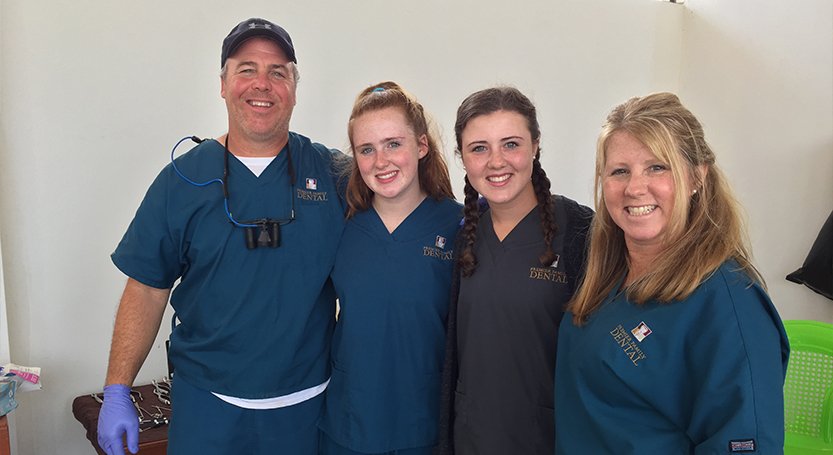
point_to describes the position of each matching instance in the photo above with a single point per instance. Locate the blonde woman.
(672, 344)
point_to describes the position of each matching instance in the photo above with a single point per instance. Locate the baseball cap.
(251, 28)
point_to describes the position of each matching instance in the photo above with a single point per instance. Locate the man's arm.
(137, 323)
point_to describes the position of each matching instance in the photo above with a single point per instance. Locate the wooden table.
(151, 442)
(5, 444)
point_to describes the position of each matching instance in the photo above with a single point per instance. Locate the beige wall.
(94, 93)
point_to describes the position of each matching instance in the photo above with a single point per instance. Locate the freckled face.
(638, 192)
(498, 151)
(259, 89)
(387, 153)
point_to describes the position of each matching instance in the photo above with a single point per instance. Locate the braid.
(541, 184)
(468, 260)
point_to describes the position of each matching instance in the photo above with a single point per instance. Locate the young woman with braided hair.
(517, 265)
(392, 275)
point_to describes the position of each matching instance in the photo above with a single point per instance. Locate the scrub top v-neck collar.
(526, 232)
(409, 229)
(612, 297)
(277, 169)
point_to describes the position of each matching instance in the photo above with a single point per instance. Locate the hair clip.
(378, 89)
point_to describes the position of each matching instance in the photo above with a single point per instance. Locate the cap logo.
(266, 26)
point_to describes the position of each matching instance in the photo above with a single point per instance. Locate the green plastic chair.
(808, 389)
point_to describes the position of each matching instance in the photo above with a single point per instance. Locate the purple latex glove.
(117, 417)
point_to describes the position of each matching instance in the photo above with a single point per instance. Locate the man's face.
(259, 89)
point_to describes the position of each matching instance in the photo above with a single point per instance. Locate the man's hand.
(117, 417)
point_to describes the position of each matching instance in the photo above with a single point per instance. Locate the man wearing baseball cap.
(252, 254)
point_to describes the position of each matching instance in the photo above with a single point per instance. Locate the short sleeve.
(147, 252)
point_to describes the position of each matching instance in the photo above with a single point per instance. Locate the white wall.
(5, 353)
(94, 93)
(759, 75)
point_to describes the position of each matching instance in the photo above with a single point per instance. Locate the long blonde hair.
(705, 229)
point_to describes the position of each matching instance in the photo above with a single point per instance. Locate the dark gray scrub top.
(508, 316)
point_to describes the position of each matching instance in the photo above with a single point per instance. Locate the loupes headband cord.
(269, 228)
(220, 181)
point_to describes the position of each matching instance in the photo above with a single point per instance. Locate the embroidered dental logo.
(547, 274)
(641, 331)
(311, 192)
(437, 251)
(629, 347)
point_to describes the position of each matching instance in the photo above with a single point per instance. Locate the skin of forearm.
(137, 323)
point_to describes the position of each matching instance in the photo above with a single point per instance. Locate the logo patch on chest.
(555, 262)
(641, 331)
(742, 445)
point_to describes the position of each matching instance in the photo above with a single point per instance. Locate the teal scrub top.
(699, 376)
(389, 341)
(253, 323)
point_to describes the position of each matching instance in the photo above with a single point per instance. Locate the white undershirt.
(257, 164)
(275, 402)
